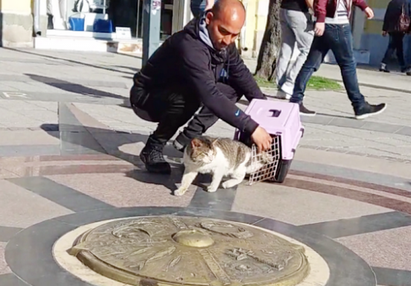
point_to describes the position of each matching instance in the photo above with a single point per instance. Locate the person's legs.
(341, 43)
(204, 119)
(302, 27)
(171, 110)
(398, 39)
(286, 50)
(388, 54)
(318, 51)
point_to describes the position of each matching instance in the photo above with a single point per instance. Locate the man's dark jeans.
(338, 39)
(172, 110)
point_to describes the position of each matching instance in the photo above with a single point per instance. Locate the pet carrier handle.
(275, 112)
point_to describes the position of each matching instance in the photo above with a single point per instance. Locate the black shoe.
(306, 112)
(152, 157)
(408, 71)
(404, 69)
(369, 110)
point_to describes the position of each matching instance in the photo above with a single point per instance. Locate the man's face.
(225, 28)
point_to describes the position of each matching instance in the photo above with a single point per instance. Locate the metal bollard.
(151, 28)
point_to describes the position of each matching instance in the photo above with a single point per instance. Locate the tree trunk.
(270, 45)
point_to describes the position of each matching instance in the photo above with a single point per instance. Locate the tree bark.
(270, 45)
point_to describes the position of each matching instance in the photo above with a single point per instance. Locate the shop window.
(103, 16)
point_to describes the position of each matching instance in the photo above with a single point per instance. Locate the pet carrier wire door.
(269, 171)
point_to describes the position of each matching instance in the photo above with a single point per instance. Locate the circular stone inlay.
(172, 250)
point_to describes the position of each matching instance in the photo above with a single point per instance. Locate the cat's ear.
(195, 143)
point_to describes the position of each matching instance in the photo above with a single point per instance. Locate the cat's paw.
(180, 192)
(211, 189)
(225, 185)
(230, 183)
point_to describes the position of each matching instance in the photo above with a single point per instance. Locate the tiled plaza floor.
(69, 148)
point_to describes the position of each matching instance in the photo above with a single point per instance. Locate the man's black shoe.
(152, 157)
(306, 112)
(369, 110)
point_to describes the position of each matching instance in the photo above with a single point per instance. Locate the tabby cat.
(221, 157)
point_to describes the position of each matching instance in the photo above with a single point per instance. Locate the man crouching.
(197, 67)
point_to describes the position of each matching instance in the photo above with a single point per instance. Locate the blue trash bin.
(103, 26)
(76, 22)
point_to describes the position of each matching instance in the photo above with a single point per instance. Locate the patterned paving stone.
(21, 208)
(136, 188)
(4, 269)
(385, 248)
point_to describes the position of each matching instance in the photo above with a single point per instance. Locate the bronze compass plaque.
(174, 250)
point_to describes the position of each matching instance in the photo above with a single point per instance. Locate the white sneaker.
(282, 95)
(287, 87)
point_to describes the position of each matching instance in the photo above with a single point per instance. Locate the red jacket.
(327, 8)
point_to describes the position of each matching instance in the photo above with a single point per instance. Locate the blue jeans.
(338, 39)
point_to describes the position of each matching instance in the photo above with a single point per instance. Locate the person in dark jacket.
(200, 6)
(392, 26)
(198, 66)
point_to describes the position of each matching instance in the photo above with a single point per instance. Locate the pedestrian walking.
(297, 28)
(333, 32)
(396, 25)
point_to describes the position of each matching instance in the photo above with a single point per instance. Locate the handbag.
(81, 6)
(404, 24)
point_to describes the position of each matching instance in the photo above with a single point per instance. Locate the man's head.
(224, 22)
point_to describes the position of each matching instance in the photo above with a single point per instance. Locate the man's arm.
(386, 19)
(310, 4)
(320, 10)
(241, 77)
(201, 80)
(360, 3)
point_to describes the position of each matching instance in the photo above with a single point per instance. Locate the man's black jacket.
(185, 64)
(393, 13)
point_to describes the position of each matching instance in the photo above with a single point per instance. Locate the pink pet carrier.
(281, 120)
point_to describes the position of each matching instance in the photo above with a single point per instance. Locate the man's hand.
(262, 139)
(319, 29)
(384, 33)
(369, 13)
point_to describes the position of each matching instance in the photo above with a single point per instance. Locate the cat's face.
(202, 151)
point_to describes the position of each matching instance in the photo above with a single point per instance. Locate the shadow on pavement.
(83, 139)
(72, 87)
(71, 61)
(336, 116)
(134, 70)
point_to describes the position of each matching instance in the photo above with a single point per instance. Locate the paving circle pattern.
(45, 245)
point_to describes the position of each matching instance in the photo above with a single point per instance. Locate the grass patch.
(315, 83)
